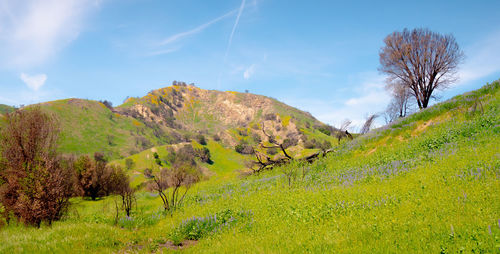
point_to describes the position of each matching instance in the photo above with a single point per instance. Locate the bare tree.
(342, 132)
(264, 161)
(368, 124)
(170, 181)
(422, 60)
(400, 104)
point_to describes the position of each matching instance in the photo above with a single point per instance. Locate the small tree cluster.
(35, 182)
(95, 178)
(107, 103)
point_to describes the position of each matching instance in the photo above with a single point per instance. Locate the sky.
(318, 56)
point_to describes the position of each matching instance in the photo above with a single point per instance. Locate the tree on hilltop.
(421, 60)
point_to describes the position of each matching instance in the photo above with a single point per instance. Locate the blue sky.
(319, 56)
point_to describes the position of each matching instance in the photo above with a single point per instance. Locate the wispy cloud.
(369, 97)
(482, 59)
(162, 51)
(176, 37)
(249, 71)
(240, 10)
(31, 31)
(34, 82)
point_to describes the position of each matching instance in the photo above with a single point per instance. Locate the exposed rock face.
(188, 108)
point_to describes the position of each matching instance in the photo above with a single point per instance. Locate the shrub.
(270, 117)
(107, 103)
(256, 138)
(201, 139)
(324, 129)
(289, 142)
(204, 155)
(272, 151)
(36, 183)
(97, 179)
(216, 137)
(243, 132)
(129, 163)
(157, 159)
(244, 149)
(198, 227)
(148, 173)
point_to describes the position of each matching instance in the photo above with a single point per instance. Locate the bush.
(216, 137)
(270, 117)
(201, 139)
(243, 148)
(148, 173)
(198, 227)
(272, 151)
(325, 129)
(256, 138)
(204, 155)
(97, 179)
(107, 103)
(36, 183)
(129, 163)
(311, 144)
(289, 142)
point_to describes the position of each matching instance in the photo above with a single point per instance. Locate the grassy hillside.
(227, 163)
(89, 126)
(428, 183)
(6, 109)
(174, 115)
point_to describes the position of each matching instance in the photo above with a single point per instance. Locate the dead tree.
(342, 131)
(183, 175)
(368, 124)
(263, 161)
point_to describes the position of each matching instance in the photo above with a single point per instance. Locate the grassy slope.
(88, 126)
(430, 183)
(226, 162)
(6, 109)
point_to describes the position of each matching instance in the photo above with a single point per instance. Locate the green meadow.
(428, 183)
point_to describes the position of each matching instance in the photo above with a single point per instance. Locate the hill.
(173, 115)
(426, 183)
(6, 109)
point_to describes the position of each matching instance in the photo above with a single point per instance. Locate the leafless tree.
(264, 161)
(422, 60)
(368, 124)
(170, 182)
(400, 104)
(342, 132)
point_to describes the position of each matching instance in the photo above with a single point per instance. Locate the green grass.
(227, 163)
(401, 189)
(88, 127)
(6, 109)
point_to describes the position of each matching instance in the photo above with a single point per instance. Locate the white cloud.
(32, 31)
(173, 38)
(482, 59)
(371, 98)
(34, 82)
(249, 72)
